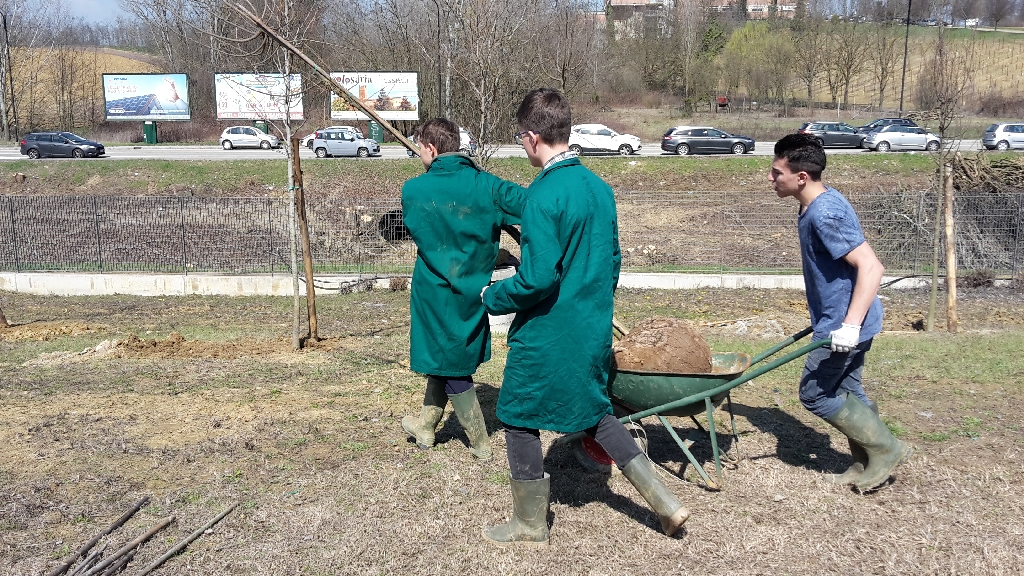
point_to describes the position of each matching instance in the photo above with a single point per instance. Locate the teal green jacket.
(556, 374)
(454, 213)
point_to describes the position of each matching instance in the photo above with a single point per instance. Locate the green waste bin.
(376, 132)
(149, 132)
(261, 125)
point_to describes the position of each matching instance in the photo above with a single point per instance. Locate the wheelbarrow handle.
(794, 338)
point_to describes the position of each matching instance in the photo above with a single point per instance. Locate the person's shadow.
(798, 444)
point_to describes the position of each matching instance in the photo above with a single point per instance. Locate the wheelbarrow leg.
(714, 438)
(700, 469)
(735, 436)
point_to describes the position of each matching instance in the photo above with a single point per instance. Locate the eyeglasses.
(519, 135)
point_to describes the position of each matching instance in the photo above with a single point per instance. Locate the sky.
(95, 10)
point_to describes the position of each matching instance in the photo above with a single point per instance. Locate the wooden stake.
(181, 545)
(88, 545)
(307, 257)
(130, 546)
(947, 188)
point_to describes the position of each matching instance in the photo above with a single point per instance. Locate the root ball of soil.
(662, 344)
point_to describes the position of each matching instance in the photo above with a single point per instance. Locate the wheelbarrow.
(641, 394)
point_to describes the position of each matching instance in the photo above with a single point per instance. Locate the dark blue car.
(60, 144)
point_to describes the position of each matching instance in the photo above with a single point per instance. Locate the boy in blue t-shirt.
(842, 275)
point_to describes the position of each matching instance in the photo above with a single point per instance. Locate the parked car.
(247, 137)
(876, 124)
(1004, 136)
(834, 133)
(467, 143)
(307, 140)
(42, 144)
(343, 143)
(685, 140)
(896, 137)
(602, 139)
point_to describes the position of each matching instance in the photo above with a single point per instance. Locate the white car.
(467, 143)
(602, 139)
(343, 143)
(247, 137)
(897, 137)
(307, 141)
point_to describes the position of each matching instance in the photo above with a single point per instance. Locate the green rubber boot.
(860, 460)
(885, 451)
(422, 428)
(467, 408)
(640, 473)
(529, 523)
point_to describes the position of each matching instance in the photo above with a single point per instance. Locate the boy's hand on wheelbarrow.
(846, 338)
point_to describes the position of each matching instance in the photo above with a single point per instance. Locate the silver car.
(1003, 137)
(896, 137)
(343, 143)
(247, 137)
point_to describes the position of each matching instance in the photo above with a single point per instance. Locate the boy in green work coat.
(556, 374)
(454, 214)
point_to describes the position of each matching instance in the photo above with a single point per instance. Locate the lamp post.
(906, 41)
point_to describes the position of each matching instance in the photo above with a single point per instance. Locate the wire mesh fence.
(659, 231)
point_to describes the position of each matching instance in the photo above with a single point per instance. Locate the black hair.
(803, 153)
(546, 112)
(441, 132)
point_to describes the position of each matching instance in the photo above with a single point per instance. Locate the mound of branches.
(990, 207)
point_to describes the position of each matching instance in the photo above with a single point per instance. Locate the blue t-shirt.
(829, 230)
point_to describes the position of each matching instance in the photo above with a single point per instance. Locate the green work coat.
(454, 213)
(556, 374)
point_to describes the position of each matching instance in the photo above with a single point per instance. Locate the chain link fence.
(696, 231)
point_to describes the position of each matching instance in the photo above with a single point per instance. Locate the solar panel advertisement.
(392, 95)
(146, 97)
(258, 96)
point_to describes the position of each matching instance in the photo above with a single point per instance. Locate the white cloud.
(95, 10)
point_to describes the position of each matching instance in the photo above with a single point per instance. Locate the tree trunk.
(947, 187)
(3, 320)
(307, 257)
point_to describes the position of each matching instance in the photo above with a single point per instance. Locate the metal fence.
(659, 231)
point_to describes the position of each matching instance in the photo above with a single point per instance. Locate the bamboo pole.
(130, 546)
(88, 545)
(181, 545)
(307, 256)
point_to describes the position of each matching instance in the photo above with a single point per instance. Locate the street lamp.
(906, 41)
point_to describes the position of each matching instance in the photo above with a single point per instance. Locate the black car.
(834, 133)
(881, 122)
(63, 144)
(685, 140)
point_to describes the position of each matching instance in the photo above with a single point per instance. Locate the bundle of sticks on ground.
(980, 172)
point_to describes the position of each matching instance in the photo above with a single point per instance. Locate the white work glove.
(482, 293)
(846, 338)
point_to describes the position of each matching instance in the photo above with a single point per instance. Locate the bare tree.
(998, 10)
(809, 35)
(884, 54)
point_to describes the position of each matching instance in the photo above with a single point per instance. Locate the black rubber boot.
(860, 460)
(467, 408)
(885, 451)
(529, 523)
(422, 428)
(640, 473)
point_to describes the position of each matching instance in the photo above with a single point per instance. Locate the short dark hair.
(546, 112)
(803, 153)
(441, 132)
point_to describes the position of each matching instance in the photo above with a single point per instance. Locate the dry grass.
(310, 445)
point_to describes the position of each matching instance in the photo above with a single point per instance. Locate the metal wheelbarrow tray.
(661, 394)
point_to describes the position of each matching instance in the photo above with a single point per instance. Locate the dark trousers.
(526, 457)
(455, 384)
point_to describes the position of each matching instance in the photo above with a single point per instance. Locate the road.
(158, 152)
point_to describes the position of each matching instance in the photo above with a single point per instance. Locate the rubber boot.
(885, 451)
(860, 460)
(422, 428)
(467, 408)
(529, 523)
(640, 473)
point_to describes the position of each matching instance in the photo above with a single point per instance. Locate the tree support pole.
(307, 257)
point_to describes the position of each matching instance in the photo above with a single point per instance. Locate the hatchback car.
(834, 133)
(685, 140)
(307, 140)
(1003, 137)
(62, 144)
(343, 143)
(877, 124)
(247, 137)
(601, 139)
(467, 143)
(896, 137)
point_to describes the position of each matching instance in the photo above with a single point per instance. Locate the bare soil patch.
(662, 344)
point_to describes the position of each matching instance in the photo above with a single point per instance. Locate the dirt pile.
(662, 344)
(46, 331)
(175, 346)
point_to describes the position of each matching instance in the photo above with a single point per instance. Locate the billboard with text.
(146, 97)
(392, 95)
(258, 96)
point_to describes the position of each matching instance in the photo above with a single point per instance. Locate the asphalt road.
(159, 152)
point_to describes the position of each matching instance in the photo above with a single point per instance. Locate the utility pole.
(5, 127)
(906, 43)
(440, 111)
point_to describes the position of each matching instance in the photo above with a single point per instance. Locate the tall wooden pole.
(307, 257)
(947, 188)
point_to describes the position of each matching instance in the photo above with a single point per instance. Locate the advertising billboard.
(392, 95)
(146, 97)
(258, 96)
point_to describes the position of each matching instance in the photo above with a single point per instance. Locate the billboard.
(392, 95)
(258, 96)
(146, 97)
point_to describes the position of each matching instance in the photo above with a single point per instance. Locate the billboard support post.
(334, 86)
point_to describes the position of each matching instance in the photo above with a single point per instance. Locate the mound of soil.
(45, 331)
(662, 344)
(175, 346)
